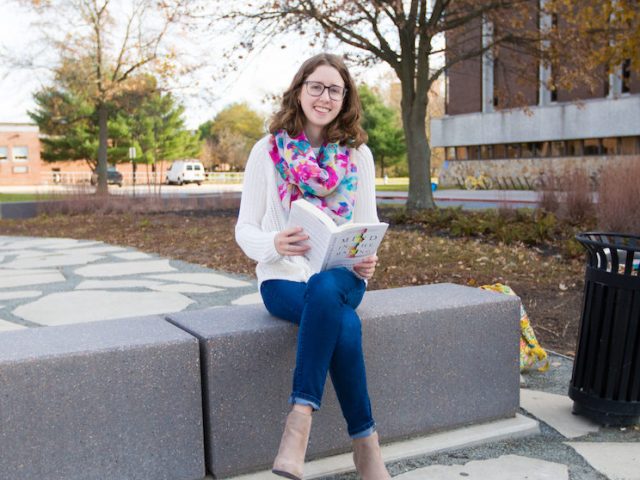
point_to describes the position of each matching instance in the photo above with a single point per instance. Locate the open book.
(331, 245)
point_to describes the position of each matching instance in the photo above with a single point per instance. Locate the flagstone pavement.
(57, 281)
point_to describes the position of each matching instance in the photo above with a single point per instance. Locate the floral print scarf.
(328, 180)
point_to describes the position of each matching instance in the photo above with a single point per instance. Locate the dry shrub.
(579, 196)
(569, 195)
(549, 195)
(78, 204)
(618, 208)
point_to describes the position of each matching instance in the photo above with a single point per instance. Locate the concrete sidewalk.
(52, 281)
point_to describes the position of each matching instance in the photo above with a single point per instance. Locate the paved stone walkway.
(56, 281)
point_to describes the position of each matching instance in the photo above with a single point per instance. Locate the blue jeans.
(329, 339)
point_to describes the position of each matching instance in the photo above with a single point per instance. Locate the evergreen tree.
(158, 131)
(140, 117)
(386, 136)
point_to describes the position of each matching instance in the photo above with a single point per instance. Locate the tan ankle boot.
(290, 459)
(368, 458)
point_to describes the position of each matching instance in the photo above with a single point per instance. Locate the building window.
(609, 146)
(513, 150)
(20, 169)
(592, 146)
(4, 154)
(558, 149)
(543, 149)
(574, 148)
(472, 152)
(20, 154)
(528, 150)
(626, 76)
(461, 153)
(451, 153)
(629, 145)
(485, 152)
(499, 151)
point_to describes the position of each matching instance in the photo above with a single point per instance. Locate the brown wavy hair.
(345, 129)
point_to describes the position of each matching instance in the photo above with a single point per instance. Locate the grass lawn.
(22, 197)
(392, 188)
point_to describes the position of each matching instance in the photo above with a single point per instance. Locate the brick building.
(548, 131)
(21, 162)
(19, 154)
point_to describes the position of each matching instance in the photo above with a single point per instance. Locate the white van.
(185, 171)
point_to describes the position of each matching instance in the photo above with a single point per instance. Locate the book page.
(314, 226)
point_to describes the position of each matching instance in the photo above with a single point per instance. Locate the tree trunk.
(414, 111)
(102, 149)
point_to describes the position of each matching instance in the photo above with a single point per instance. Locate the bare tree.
(115, 40)
(403, 34)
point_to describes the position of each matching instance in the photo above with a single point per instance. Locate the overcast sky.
(260, 75)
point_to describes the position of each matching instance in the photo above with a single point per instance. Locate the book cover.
(332, 245)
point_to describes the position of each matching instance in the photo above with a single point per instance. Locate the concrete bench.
(438, 357)
(117, 399)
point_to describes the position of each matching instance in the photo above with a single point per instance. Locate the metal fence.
(84, 178)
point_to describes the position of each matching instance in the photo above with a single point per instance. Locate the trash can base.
(606, 419)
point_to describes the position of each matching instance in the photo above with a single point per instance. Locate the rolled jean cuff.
(302, 399)
(364, 433)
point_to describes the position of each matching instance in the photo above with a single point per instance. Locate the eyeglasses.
(316, 89)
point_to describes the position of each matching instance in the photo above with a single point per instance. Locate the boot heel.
(289, 462)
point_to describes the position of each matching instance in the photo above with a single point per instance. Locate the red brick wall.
(10, 173)
(464, 88)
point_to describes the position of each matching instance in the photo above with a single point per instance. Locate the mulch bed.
(550, 286)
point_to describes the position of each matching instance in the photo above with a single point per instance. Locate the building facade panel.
(593, 119)
(19, 154)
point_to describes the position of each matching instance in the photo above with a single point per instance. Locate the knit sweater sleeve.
(366, 211)
(254, 241)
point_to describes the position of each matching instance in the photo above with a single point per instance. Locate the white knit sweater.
(262, 215)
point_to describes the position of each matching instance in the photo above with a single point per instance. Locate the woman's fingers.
(287, 241)
(367, 267)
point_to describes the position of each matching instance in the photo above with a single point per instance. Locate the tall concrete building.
(549, 132)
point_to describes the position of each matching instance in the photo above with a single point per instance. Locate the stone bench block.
(438, 357)
(118, 399)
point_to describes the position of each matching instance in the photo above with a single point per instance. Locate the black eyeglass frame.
(324, 87)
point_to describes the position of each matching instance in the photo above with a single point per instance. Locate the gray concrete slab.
(453, 361)
(20, 294)
(617, 461)
(132, 255)
(118, 284)
(108, 400)
(507, 467)
(118, 269)
(24, 279)
(127, 271)
(185, 288)
(9, 326)
(250, 299)
(555, 411)
(406, 450)
(93, 305)
(52, 260)
(212, 279)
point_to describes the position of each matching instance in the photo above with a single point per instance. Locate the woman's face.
(319, 111)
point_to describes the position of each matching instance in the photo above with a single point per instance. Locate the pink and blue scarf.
(328, 180)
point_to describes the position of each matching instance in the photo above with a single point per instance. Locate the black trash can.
(605, 385)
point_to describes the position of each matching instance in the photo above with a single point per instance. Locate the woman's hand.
(366, 267)
(286, 240)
